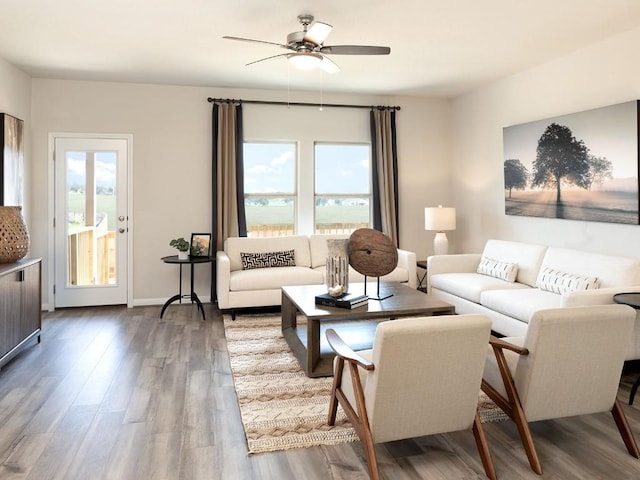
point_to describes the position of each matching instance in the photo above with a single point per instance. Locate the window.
(270, 188)
(342, 187)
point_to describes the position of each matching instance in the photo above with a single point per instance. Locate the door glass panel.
(91, 217)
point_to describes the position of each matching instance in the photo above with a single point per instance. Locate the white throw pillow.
(556, 281)
(502, 270)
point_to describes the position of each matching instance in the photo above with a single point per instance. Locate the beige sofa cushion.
(611, 271)
(471, 285)
(319, 249)
(520, 304)
(399, 274)
(270, 278)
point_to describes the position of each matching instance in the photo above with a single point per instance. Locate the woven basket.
(14, 238)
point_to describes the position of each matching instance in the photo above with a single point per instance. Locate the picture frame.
(581, 166)
(200, 245)
(11, 160)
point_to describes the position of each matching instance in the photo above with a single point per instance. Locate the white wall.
(603, 74)
(424, 164)
(172, 154)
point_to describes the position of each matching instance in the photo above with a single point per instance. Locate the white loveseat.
(258, 287)
(511, 304)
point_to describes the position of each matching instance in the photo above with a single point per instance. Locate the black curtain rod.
(300, 104)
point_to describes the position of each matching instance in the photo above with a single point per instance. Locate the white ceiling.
(438, 48)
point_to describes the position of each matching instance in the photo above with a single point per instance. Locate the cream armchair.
(568, 364)
(422, 377)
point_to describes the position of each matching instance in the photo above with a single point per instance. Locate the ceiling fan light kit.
(308, 50)
(305, 60)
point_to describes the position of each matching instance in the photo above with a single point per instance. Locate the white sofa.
(258, 287)
(510, 305)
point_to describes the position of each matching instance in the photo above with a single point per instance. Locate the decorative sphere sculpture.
(372, 253)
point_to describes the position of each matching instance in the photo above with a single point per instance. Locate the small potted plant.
(183, 247)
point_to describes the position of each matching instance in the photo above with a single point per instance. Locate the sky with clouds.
(105, 168)
(341, 168)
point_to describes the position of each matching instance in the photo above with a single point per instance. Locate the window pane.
(342, 187)
(91, 218)
(76, 190)
(269, 167)
(341, 215)
(269, 216)
(342, 169)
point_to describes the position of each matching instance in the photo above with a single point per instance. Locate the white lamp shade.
(439, 218)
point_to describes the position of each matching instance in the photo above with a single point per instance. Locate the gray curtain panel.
(228, 216)
(385, 172)
(228, 192)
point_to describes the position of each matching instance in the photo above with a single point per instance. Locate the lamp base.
(440, 244)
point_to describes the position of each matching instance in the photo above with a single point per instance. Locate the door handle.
(121, 230)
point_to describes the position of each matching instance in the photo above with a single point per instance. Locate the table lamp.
(439, 219)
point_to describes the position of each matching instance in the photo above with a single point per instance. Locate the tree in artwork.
(561, 159)
(516, 175)
(601, 170)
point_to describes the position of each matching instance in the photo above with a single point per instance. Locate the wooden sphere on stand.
(372, 253)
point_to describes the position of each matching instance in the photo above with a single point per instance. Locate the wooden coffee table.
(356, 327)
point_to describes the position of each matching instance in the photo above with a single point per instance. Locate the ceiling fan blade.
(318, 33)
(267, 58)
(329, 66)
(355, 50)
(226, 37)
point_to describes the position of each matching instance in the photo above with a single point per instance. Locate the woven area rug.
(281, 408)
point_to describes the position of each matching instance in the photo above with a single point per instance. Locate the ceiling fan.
(307, 49)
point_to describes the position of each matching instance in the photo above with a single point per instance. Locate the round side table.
(191, 261)
(633, 300)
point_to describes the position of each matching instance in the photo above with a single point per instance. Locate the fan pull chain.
(321, 88)
(288, 85)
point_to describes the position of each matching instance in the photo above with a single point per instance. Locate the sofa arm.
(223, 279)
(598, 296)
(407, 260)
(456, 263)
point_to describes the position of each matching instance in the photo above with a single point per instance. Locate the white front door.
(91, 222)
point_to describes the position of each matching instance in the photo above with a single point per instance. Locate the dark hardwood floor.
(116, 393)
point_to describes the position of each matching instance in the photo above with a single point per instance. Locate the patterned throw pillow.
(286, 258)
(503, 270)
(559, 282)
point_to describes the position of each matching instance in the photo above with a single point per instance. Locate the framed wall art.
(582, 166)
(11, 160)
(200, 244)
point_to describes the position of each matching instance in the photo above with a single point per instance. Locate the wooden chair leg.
(370, 452)
(483, 448)
(337, 382)
(361, 422)
(527, 440)
(625, 430)
(517, 412)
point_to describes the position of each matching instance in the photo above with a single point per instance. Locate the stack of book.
(348, 300)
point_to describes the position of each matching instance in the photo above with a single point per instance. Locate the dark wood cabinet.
(20, 306)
